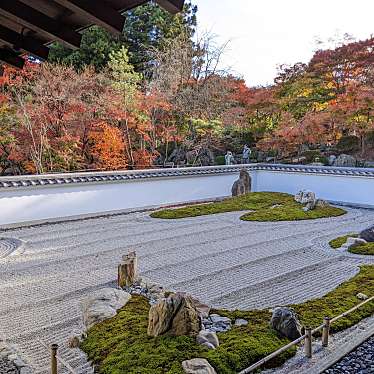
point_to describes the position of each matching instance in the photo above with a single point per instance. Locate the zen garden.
(163, 212)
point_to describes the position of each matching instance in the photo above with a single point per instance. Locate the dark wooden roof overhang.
(29, 26)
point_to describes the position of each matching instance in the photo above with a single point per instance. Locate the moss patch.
(265, 206)
(121, 345)
(339, 241)
(363, 249)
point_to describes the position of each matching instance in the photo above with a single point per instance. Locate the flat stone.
(198, 366)
(240, 322)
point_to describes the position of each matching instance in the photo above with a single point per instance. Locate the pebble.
(359, 361)
(216, 323)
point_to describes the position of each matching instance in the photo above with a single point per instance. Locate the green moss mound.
(363, 249)
(121, 345)
(265, 207)
(339, 241)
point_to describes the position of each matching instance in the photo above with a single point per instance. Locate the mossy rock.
(264, 207)
(362, 249)
(121, 345)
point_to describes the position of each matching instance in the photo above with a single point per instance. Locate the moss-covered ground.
(264, 206)
(121, 345)
(362, 249)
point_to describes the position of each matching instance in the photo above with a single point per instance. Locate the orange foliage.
(106, 147)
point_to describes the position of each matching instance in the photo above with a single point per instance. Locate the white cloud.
(265, 33)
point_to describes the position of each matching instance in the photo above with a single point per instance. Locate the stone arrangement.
(309, 200)
(285, 321)
(205, 257)
(242, 185)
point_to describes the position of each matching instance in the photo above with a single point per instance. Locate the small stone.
(240, 322)
(207, 337)
(198, 366)
(362, 296)
(74, 341)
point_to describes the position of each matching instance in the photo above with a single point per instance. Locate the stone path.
(360, 361)
(220, 259)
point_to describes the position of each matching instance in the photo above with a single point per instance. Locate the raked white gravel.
(219, 259)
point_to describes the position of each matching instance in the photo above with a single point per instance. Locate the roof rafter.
(97, 12)
(24, 42)
(38, 21)
(172, 6)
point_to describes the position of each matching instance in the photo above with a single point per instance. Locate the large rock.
(285, 321)
(198, 366)
(103, 306)
(175, 315)
(306, 198)
(345, 160)
(368, 234)
(128, 270)
(242, 185)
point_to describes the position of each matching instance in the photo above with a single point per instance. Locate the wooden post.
(54, 348)
(325, 332)
(128, 270)
(308, 342)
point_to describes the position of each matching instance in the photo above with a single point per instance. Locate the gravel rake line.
(312, 282)
(229, 279)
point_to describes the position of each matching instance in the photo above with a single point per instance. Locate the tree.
(147, 27)
(106, 146)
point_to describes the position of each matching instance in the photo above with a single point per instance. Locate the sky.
(266, 33)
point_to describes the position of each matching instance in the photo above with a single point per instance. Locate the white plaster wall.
(43, 203)
(345, 189)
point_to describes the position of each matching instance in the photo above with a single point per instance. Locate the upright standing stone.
(128, 270)
(242, 185)
(174, 316)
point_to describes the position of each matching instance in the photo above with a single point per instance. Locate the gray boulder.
(306, 198)
(198, 366)
(103, 306)
(368, 234)
(242, 185)
(285, 321)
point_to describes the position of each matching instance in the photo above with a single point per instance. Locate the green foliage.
(265, 206)
(121, 345)
(363, 249)
(220, 160)
(348, 144)
(338, 242)
(96, 46)
(146, 27)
